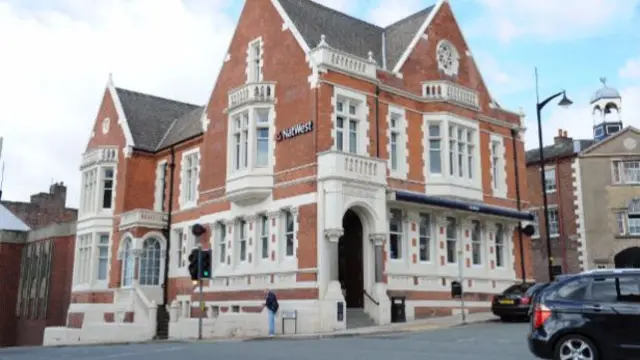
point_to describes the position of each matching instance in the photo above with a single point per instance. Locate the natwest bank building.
(337, 163)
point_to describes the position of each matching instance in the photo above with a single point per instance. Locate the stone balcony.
(249, 187)
(451, 92)
(336, 165)
(247, 94)
(99, 155)
(143, 218)
(326, 57)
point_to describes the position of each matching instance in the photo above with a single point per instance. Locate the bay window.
(241, 140)
(262, 137)
(435, 149)
(89, 190)
(83, 259)
(103, 256)
(250, 139)
(461, 152)
(107, 187)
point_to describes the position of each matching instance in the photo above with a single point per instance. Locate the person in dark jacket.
(271, 303)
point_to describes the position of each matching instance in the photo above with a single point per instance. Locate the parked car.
(594, 315)
(514, 302)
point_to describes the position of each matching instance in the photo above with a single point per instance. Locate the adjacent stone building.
(336, 162)
(567, 185)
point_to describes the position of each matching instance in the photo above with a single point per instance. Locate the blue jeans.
(272, 322)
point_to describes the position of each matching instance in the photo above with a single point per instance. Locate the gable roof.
(10, 222)
(598, 144)
(567, 147)
(352, 35)
(151, 117)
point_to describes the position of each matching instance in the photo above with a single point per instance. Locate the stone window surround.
(402, 149)
(161, 174)
(499, 185)
(617, 167)
(137, 252)
(547, 170)
(250, 71)
(539, 216)
(362, 115)
(92, 261)
(186, 203)
(276, 231)
(94, 205)
(444, 119)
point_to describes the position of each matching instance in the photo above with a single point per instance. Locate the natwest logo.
(295, 130)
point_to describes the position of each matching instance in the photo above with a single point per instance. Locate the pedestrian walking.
(271, 303)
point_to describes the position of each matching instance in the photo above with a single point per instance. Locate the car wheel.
(576, 347)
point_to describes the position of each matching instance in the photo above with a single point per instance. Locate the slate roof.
(351, 35)
(150, 117)
(157, 123)
(560, 149)
(10, 222)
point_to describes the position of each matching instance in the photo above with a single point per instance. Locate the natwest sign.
(295, 130)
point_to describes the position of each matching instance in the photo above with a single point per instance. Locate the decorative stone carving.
(333, 235)
(378, 239)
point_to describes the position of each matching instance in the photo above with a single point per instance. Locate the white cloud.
(389, 11)
(551, 20)
(340, 5)
(578, 119)
(55, 65)
(631, 69)
(503, 79)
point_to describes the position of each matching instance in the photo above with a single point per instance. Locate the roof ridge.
(155, 96)
(166, 133)
(414, 15)
(342, 13)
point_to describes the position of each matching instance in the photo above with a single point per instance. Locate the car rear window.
(517, 289)
(574, 289)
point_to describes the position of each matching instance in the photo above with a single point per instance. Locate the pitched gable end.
(399, 36)
(122, 117)
(600, 144)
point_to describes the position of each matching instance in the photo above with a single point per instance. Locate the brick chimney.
(562, 137)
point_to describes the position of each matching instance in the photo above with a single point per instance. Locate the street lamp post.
(564, 102)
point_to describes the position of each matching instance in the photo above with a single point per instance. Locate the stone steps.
(357, 318)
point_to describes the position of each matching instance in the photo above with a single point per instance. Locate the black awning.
(469, 206)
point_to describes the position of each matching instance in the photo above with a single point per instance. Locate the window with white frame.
(629, 220)
(554, 222)
(264, 236)
(425, 233)
(550, 179)
(626, 172)
(107, 187)
(241, 140)
(289, 233)
(396, 234)
(397, 127)
(242, 240)
(262, 137)
(461, 151)
(497, 167)
(103, 256)
(452, 240)
(255, 61)
(89, 191)
(476, 243)
(435, 149)
(347, 124)
(149, 269)
(190, 177)
(181, 240)
(83, 259)
(220, 240)
(536, 224)
(161, 184)
(500, 245)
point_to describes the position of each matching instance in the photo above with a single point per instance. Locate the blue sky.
(60, 54)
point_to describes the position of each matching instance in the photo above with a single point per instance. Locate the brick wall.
(44, 208)
(10, 254)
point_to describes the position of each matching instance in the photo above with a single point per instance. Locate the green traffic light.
(206, 273)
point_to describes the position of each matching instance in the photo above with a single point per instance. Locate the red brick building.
(36, 259)
(561, 199)
(384, 144)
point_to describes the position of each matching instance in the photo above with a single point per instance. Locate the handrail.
(370, 297)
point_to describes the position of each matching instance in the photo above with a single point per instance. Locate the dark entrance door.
(350, 268)
(628, 258)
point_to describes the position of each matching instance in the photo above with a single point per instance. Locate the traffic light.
(193, 263)
(205, 263)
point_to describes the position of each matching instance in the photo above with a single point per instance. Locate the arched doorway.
(628, 258)
(350, 260)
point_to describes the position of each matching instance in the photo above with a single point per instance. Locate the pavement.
(475, 341)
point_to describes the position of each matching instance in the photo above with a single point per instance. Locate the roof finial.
(371, 56)
(322, 41)
(603, 80)
(110, 80)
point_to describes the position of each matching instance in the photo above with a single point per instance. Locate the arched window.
(150, 262)
(128, 264)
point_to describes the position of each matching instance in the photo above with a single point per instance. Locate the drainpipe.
(514, 133)
(167, 229)
(377, 121)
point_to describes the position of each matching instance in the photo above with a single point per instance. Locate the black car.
(594, 315)
(514, 302)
